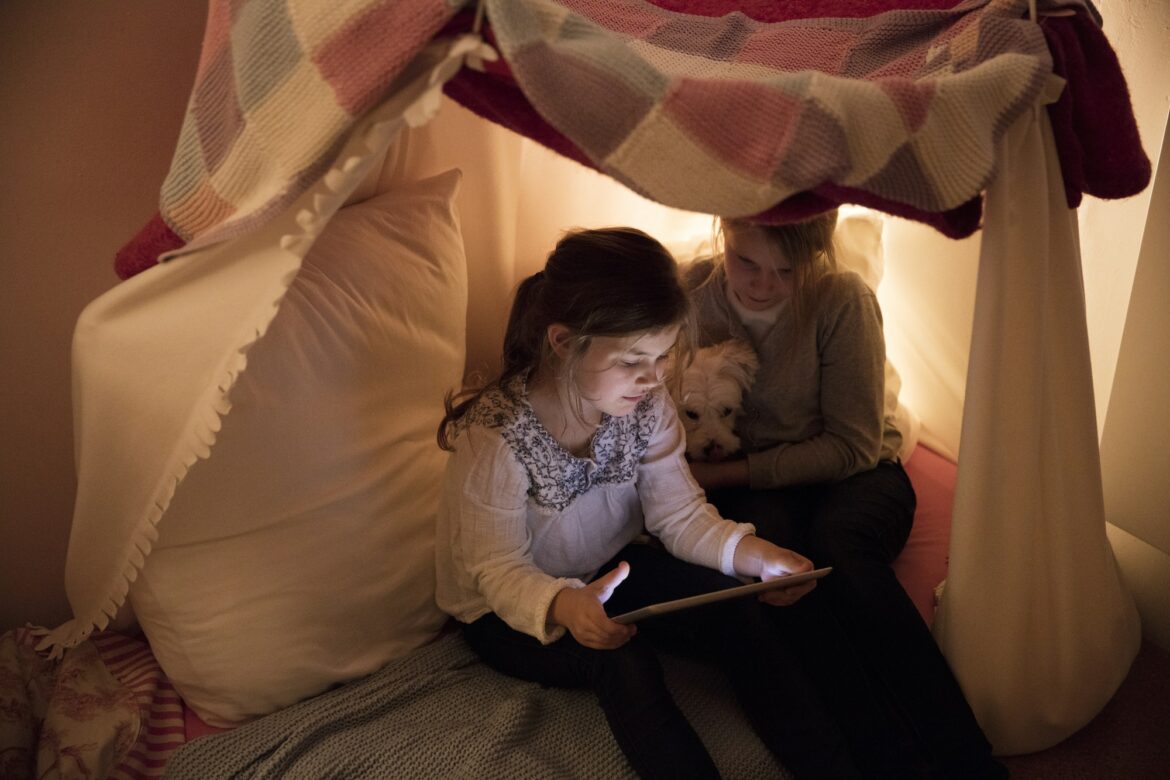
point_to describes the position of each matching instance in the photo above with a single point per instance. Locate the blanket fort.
(898, 106)
(919, 110)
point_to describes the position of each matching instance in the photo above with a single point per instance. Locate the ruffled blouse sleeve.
(675, 507)
(487, 519)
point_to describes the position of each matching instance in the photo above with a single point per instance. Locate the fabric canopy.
(908, 110)
(893, 105)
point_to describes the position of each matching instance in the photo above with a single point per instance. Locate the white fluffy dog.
(711, 397)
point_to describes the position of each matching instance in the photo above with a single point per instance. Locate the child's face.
(616, 373)
(758, 272)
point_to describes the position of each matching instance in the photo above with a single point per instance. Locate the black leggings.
(739, 635)
(858, 526)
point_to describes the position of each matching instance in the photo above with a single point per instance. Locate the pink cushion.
(196, 727)
(922, 564)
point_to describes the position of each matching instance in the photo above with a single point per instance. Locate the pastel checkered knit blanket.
(714, 111)
(278, 87)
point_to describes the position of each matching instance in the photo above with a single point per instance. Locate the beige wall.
(90, 106)
(1135, 459)
(1112, 230)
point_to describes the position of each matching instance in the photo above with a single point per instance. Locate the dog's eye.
(691, 415)
(725, 411)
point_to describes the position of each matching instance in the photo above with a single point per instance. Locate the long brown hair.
(614, 281)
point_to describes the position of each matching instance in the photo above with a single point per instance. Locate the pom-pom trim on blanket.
(98, 589)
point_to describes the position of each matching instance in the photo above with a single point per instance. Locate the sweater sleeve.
(674, 506)
(851, 352)
(494, 539)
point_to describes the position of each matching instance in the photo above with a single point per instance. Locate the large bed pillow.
(300, 554)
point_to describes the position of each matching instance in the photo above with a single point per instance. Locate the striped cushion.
(161, 729)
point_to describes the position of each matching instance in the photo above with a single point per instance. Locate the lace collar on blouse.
(556, 476)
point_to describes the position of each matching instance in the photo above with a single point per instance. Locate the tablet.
(664, 607)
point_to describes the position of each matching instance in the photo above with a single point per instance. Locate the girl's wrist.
(746, 560)
(556, 609)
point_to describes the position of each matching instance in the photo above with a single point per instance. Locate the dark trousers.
(858, 526)
(738, 635)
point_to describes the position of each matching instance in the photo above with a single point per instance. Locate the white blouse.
(520, 517)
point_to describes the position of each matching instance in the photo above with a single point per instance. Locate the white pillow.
(300, 554)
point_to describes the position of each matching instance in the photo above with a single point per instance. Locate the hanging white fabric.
(1035, 620)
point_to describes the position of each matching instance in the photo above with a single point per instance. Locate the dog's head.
(711, 396)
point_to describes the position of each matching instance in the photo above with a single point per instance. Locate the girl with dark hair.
(558, 466)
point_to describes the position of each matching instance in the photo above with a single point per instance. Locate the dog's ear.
(741, 362)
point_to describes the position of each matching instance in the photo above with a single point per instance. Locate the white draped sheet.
(155, 358)
(1034, 620)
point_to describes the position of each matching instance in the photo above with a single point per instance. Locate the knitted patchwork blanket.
(895, 105)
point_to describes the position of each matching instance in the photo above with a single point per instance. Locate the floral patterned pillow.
(71, 718)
